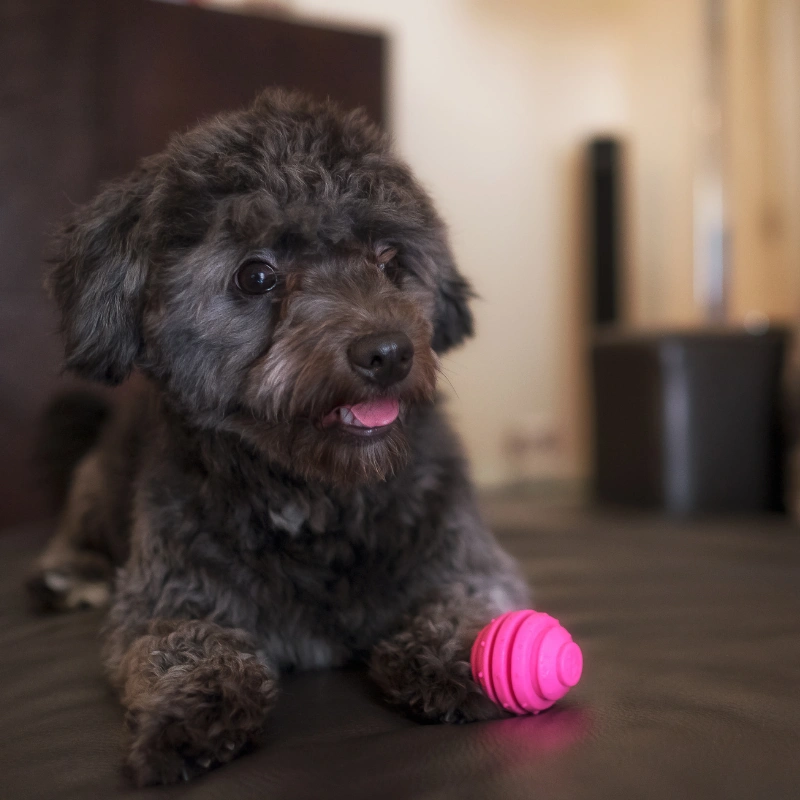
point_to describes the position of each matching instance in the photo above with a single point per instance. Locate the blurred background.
(633, 163)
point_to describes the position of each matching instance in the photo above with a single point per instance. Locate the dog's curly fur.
(249, 536)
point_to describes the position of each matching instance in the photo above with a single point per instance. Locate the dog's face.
(279, 274)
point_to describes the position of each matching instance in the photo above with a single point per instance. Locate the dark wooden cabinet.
(166, 66)
(87, 87)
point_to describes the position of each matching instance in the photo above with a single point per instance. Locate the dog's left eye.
(256, 277)
(385, 257)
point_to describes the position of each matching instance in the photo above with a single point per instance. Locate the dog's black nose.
(383, 358)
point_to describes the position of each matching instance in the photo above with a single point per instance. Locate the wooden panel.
(164, 67)
(47, 165)
(46, 128)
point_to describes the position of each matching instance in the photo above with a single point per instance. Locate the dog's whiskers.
(443, 374)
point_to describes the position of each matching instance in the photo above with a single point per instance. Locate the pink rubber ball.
(526, 661)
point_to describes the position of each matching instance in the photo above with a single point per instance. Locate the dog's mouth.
(368, 419)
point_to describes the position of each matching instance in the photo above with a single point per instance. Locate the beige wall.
(491, 101)
(662, 41)
(763, 105)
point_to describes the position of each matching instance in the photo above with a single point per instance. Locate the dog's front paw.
(195, 718)
(426, 670)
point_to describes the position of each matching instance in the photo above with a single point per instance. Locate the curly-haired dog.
(279, 488)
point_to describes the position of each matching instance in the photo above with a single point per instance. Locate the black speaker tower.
(605, 218)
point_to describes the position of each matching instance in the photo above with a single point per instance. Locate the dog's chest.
(338, 567)
(331, 573)
(294, 515)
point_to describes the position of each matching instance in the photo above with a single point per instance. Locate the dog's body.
(279, 484)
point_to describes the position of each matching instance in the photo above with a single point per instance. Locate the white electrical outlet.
(533, 434)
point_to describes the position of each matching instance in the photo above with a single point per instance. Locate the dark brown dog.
(279, 488)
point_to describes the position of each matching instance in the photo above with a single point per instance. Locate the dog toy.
(525, 661)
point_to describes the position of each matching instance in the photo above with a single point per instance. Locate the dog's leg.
(196, 695)
(425, 666)
(75, 570)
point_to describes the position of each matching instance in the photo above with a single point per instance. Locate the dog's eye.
(256, 277)
(385, 257)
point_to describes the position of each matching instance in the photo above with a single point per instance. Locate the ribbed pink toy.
(525, 661)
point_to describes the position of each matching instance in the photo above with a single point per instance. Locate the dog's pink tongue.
(376, 413)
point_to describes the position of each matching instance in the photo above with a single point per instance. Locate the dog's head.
(279, 273)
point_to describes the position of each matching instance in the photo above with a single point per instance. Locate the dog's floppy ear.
(452, 321)
(98, 278)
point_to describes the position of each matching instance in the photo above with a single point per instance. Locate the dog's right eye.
(256, 277)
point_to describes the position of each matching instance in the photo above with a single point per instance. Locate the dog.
(278, 487)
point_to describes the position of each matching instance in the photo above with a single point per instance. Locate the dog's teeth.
(347, 417)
